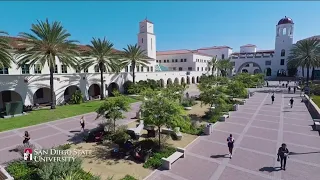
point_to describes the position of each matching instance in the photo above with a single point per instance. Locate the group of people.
(283, 152)
(290, 101)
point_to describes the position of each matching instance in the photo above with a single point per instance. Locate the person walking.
(283, 153)
(267, 84)
(82, 123)
(289, 90)
(294, 89)
(272, 98)
(26, 138)
(291, 102)
(187, 95)
(230, 141)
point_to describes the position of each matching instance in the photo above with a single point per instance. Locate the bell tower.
(283, 42)
(147, 38)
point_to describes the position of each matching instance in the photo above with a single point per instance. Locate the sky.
(178, 24)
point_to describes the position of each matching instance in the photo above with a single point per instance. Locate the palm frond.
(5, 56)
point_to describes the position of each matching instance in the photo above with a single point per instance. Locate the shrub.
(79, 175)
(155, 160)
(20, 148)
(64, 146)
(128, 177)
(188, 102)
(120, 136)
(21, 170)
(76, 97)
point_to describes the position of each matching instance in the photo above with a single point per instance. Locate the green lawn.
(46, 115)
(316, 99)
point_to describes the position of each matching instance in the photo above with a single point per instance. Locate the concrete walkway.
(259, 129)
(53, 133)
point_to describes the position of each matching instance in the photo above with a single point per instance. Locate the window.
(64, 69)
(86, 70)
(55, 70)
(138, 68)
(141, 68)
(185, 60)
(197, 68)
(202, 69)
(25, 69)
(282, 62)
(268, 63)
(4, 70)
(78, 70)
(189, 68)
(159, 61)
(126, 69)
(176, 60)
(151, 68)
(130, 69)
(39, 93)
(247, 65)
(37, 68)
(181, 60)
(180, 68)
(284, 31)
(205, 69)
(141, 40)
(283, 52)
(174, 68)
(222, 56)
(172, 60)
(96, 68)
(148, 69)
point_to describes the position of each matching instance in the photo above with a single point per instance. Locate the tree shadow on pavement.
(219, 156)
(294, 153)
(269, 169)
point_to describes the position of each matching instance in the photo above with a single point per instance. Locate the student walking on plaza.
(82, 123)
(294, 89)
(230, 141)
(291, 102)
(26, 137)
(272, 98)
(283, 153)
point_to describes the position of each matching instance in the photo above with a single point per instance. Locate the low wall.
(4, 175)
(312, 107)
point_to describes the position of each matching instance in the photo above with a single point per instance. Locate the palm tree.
(103, 56)
(224, 65)
(212, 64)
(49, 41)
(305, 53)
(135, 56)
(5, 56)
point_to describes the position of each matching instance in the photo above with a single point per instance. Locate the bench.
(169, 131)
(317, 124)
(167, 162)
(137, 131)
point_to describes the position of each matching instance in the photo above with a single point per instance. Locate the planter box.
(187, 108)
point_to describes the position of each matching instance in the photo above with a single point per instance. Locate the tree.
(305, 53)
(236, 89)
(134, 56)
(161, 111)
(113, 108)
(48, 43)
(212, 64)
(103, 56)
(174, 92)
(5, 56)
(224, 65)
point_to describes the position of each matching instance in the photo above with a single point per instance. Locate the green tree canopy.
(5, 56)
(224, 65)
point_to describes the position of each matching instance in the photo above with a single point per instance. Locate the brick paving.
(259, 129)
(53, 133)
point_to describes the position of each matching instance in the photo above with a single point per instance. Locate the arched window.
(284, 31)
(283, 53)
(278, 30)
(222, 56)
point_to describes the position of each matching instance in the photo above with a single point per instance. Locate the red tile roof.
(215, 47)
(249, 45)
(14, 42)
(181, 51)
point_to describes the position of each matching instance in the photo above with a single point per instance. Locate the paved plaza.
(259, 129)
(48, 135)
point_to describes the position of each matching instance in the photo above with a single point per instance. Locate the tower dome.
(285, 20)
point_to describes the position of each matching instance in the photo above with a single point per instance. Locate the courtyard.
(259, 129)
